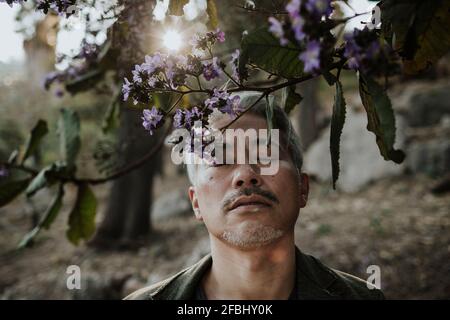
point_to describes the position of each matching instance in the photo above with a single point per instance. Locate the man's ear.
(194, 202)
(304, 189)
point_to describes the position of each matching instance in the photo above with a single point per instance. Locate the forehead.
(249, 120)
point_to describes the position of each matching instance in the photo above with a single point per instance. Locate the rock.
(172, 204)
(429, 107)
(360, 158)
(431, 157)
(422, 103)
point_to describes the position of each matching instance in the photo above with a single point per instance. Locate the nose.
(246, 176)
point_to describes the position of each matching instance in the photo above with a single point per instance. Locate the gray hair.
(280, 120)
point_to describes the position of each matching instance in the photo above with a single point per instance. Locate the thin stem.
(131, 167)
(175, 104)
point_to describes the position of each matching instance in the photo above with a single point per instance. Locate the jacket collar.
(312, 280)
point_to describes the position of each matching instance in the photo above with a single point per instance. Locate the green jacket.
(314, 281)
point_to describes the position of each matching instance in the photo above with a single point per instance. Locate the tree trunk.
(127, 218)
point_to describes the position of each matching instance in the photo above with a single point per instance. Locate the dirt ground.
(396, 224)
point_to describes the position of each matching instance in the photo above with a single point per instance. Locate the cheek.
(209, 198)
(286, 184)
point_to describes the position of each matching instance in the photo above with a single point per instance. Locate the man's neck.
(264, 273)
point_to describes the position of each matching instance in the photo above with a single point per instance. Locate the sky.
(11, 42)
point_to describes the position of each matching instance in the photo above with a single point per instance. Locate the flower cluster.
(204, 42)
(163, 72)
(80, 64)
(11, 2)
(61, 7)
(304, 26)
(224, 102)
(170, 73)
(367, 53)
(187, 118)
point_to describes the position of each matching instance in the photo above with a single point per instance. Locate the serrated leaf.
(269, 116)
(176, 7)
(82, 216)
(10, 190)
(211, 10)
(337, 124)
(262, 49)
(36, 135)
(69, 136)
(380, 117)
(420, 30)
(290, 98)
(48, 218)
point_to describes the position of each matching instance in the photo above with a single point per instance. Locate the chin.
(251, 234)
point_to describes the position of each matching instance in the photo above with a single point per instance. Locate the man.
(250, 218)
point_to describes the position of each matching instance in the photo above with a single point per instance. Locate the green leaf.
(69, 136)
(211, 10)
(53, 209)
(176, 7)
(380, 117)
(36, 135)
(269, 116)
(48, 218)
(82, 217)
(262, 49)
(420, 30)
(10, 190)
(337, 124)
(41, 180)
(290, 98)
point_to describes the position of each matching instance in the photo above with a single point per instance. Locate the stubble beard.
(251, 234)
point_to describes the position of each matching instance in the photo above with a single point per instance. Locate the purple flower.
(153, 63)
(276, 27)
(178, 119)
(138, 73)
(220, 35)
(311, 57)
(297, 26)
(364, 52)
(235, 64)
(233, 106)
(151, 119)
(319, 7)
(217, 98)
(211, 70)
(126, 89)
(293, 8)
(214, 36)
(10, 2)
(4, 173)
(190, 116)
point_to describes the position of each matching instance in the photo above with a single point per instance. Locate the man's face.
(244, 208)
